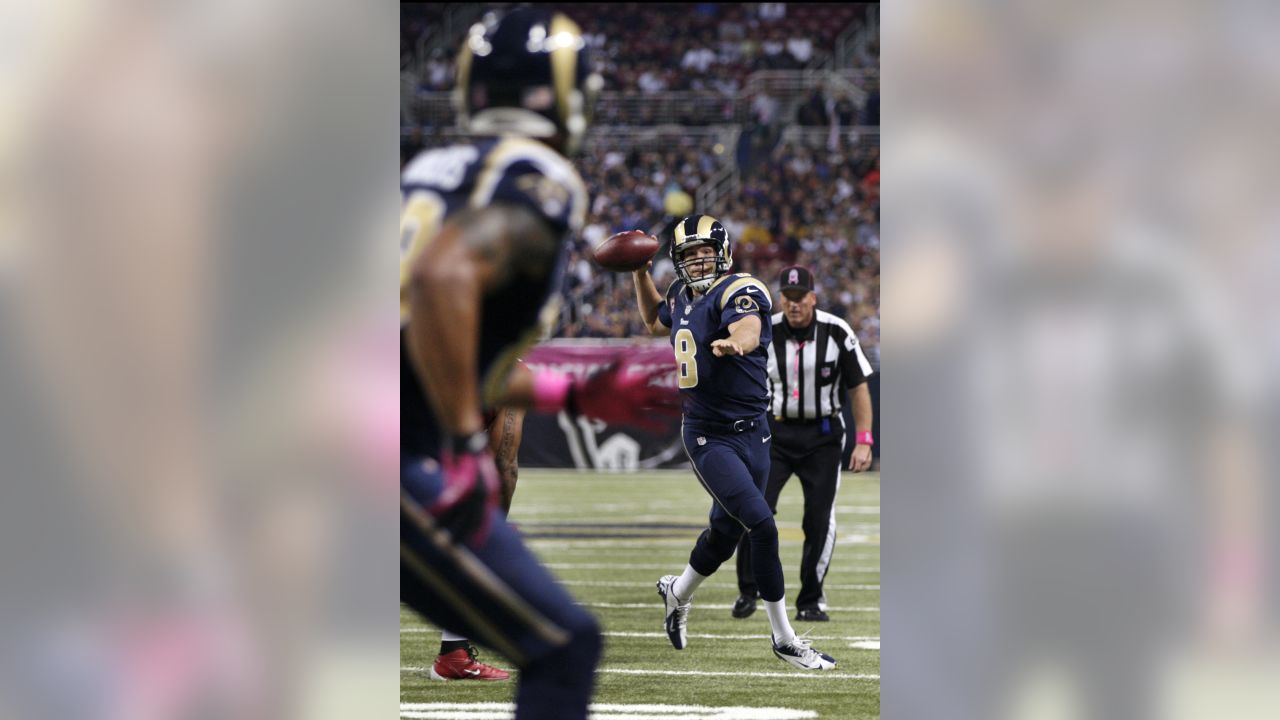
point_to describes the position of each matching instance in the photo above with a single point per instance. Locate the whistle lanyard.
(795, 370)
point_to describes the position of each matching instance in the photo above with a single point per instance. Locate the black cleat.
(811, 615)
(744, 607)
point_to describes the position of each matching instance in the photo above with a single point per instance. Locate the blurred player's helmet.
(526, 73)
(692, 232)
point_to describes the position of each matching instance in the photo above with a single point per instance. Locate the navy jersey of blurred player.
(720, 327)
(439, 183)
(483, 226)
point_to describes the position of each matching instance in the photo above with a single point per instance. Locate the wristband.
(472, 444)
(550, 391)
(864, 438)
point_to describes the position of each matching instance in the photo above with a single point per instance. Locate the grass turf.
(609, 537)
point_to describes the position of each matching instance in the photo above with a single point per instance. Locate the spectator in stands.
(845, 110)
(771, 49)
(871, 110)
(764, 108)
(698, 59)
(801, 49)
(773, 11)
(652, 81)
(810, 201)
(813, 111)
(439, 74)
(755, 234)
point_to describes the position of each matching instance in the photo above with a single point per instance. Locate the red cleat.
(461, 664)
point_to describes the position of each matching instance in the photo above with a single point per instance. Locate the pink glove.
(471, 489)
(617, 396)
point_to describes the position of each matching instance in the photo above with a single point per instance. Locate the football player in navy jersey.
(720, 328)
(483, 226)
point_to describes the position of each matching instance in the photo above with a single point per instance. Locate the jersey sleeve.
(854, 366)
(535, 176)
(744, 296)
(664, 310)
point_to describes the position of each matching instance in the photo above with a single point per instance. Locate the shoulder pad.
(543, 177)
(741, 282)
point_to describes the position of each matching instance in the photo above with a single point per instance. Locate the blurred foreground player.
(720, 329)
(457, 659)
(483, 226)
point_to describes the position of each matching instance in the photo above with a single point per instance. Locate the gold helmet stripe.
(565, 40)
(462, 103)
(704, 225)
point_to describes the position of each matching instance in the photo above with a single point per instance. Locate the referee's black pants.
(813, 456)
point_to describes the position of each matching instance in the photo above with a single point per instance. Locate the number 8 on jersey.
(686, 354)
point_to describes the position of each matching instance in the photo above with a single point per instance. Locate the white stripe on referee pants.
(824, 560)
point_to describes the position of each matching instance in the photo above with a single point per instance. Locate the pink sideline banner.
(560, 441)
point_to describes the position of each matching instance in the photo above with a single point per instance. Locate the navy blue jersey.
(440, 182)
(719, 389)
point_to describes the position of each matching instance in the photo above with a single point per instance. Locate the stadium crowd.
(716, 45)
(812, 203)
(816, 207)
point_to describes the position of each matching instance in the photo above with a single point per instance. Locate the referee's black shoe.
(745, 606)
(811, 615)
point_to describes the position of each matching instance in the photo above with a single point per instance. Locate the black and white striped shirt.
(809, 371)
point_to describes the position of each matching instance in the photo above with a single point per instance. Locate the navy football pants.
(734, 469)
(500, 596)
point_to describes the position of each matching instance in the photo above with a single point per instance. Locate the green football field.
(609, 537)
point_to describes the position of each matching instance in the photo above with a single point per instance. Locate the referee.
(813, 360)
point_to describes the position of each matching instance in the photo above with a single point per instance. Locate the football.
(625, 251)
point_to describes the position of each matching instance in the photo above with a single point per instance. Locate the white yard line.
(797, 675)
(700, 636)
(603, 711)
(666, 566)
(682, 542)
(696, 606)
(712, 636)
(734, 586)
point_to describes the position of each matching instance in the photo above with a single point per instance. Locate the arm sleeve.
(664, 312)
(668, 302)
(854, 366)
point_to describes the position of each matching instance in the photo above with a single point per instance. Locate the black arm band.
(472, 444)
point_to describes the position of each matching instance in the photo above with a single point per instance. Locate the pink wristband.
(550, 389)
(864, 438)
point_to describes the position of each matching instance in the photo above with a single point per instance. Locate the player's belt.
(718, 427)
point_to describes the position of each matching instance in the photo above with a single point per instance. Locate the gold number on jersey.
(420, 220)
(686, 355)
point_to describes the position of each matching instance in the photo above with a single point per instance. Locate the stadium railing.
(818, 137)
(684, 107)
(851, 43)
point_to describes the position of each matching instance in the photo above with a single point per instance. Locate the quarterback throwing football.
(719, 327)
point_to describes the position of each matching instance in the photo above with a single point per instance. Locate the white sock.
(686, 584)
(777, 611)
(447, 636)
